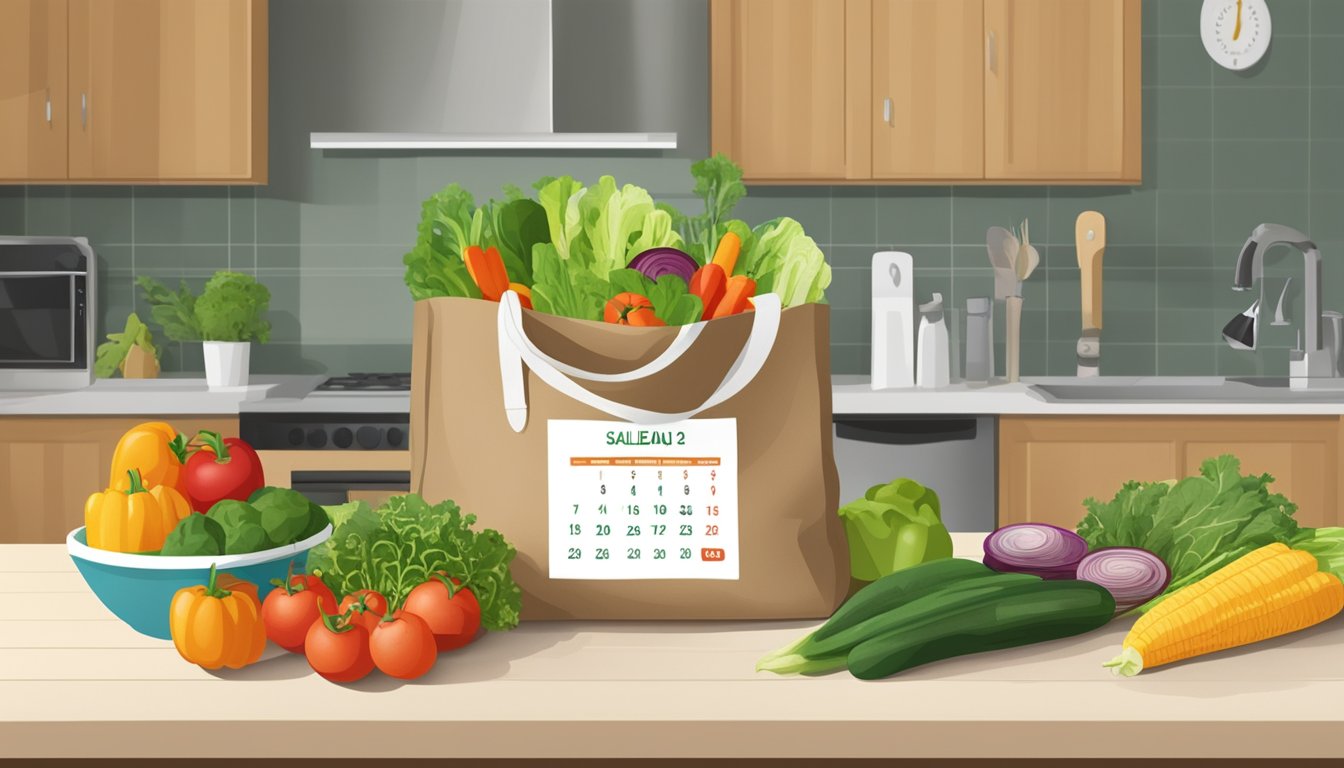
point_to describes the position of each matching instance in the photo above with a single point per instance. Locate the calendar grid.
(620, 511)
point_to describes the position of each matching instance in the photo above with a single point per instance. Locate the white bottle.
(933, 345)
(893, 320)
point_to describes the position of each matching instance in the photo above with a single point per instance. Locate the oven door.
(335, 477)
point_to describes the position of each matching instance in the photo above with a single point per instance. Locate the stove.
(348, 438)
(358, 383)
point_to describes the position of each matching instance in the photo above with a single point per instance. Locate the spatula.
(1090, 238)
(1003, 252)
(1028, 259)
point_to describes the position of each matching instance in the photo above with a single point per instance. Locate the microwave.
(47, 335)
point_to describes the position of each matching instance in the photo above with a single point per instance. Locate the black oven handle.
(343, 480)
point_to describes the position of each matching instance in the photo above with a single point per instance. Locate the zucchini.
(813, 655)
(897, 589)
(1017, 615)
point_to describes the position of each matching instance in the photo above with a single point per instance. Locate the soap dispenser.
(933, 346)
(893, 362)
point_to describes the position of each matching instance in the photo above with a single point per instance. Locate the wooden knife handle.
(1090, 235)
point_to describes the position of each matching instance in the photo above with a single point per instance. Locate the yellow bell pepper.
(215, 627)
(134, 520)
(153, 448)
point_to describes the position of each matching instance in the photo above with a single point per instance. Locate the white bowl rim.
(188, 562)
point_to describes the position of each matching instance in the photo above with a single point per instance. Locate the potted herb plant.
(229, 314)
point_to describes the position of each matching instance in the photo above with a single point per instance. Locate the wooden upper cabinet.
(168, 90)
(778, 87)
(32, 90)
(927, 104)
(1063, 92)
(937, 91)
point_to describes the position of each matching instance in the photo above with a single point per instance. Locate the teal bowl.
(139, 588)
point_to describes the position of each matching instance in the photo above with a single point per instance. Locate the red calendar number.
(712, 555)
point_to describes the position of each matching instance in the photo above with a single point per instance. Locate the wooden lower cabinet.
(50, 464)
(1049, 464)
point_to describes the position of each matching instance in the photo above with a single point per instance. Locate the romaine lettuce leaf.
(559, 197)
(612, 217)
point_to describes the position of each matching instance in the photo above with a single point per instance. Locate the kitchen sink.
(1167, 389)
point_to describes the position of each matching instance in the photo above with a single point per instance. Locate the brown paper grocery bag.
(793, 560)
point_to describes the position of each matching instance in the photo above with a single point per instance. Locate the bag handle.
(516, 351)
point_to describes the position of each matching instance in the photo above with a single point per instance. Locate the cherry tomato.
(375, 605)
(338, 651)
(292, 607)
(226, 468)
(454, 619)
(402, 646)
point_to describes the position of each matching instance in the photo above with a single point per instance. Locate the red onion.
(1132, 576)
(1048, 551)
(656, 262)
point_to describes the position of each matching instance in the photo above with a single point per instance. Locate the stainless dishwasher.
(956, 456)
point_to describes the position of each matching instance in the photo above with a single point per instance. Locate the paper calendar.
(643, 502)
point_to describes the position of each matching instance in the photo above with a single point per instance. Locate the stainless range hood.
(488, 74)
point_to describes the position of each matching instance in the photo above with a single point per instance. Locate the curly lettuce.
(398, 546)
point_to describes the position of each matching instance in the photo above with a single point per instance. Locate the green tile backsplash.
(1223, 152)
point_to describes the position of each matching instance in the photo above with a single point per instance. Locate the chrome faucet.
(1313, 360)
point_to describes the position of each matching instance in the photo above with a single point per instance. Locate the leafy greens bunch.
(1196, 525)
(571, 246)
(401, 544)
(232, 307)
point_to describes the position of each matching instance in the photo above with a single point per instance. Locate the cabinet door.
(1302, 454)
(927, 105)
(32, 89)
(1049, 465)
(50, 464)
(1063, 93)
(168, 90)
(778, 87)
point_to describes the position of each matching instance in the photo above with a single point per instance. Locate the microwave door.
(41, 317)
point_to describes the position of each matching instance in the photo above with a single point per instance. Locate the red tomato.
(288, 615)
(454, 619)
(338, 651)
(227, 468)
(402, 646)
(375, 606)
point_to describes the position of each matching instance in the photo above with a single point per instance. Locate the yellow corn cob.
(1269, 592)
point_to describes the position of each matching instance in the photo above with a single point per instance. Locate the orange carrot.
(708, 283)
(486, 267)
(726, 254)
(736, 296)
(524, 294)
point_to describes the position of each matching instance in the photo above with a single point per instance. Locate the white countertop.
(852, 395)
(153, 397)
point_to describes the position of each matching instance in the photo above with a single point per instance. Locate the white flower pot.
(226, 363)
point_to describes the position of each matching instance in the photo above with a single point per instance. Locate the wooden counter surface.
(76, 682)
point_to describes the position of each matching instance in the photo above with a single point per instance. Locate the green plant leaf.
(233, 307)
(174, 312)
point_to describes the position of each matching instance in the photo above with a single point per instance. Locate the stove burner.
(367, 382)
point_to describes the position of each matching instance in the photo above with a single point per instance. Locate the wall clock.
(1235, 32)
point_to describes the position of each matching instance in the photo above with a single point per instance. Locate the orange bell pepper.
(153, 449)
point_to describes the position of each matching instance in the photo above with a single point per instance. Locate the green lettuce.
(398, 546)
(612, 218)
(785, 261)
(434, 267)
(893, 527)
(655, 232)
(558, 289)
(560, 197)
(1196, 525)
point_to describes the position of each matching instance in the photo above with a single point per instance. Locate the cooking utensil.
(1029, 258)
(1090, 238)
(1003, 250)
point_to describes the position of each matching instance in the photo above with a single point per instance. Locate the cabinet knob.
(991, 53)
(886, 110)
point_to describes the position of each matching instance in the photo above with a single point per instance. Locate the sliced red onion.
(1132, 576)
(1048, 551)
